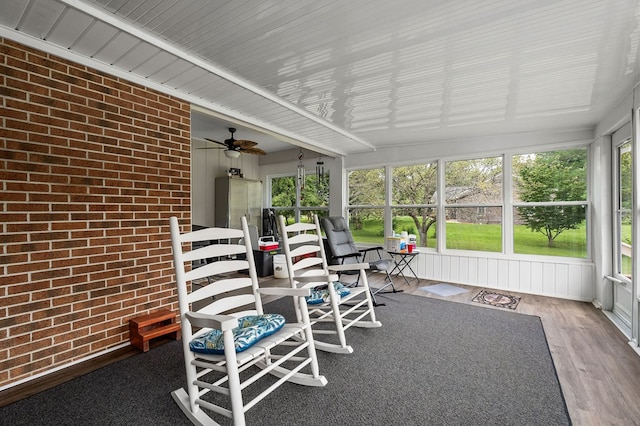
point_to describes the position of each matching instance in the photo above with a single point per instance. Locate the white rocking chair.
(222, 357)
(330, 302)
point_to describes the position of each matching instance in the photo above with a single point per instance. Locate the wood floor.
(598, 371)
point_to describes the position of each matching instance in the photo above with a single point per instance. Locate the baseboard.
(36, 384)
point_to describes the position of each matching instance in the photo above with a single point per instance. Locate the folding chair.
(343, 250)
(229, 343)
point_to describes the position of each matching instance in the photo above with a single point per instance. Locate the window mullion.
(507, 211)
(388, 216)
(441, 215)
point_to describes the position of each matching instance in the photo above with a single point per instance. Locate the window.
(622, 212)
(283, 196)
(550, 203)
(414, 204)
(539, 208)
(366, 205)
(473, 204)
(313, 198)
(624, 203)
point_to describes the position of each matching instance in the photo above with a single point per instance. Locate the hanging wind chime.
(301, 173)
(320, 176)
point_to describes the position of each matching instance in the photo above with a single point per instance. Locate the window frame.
(584, 203)
(434, 205)
(507, 202)
(298, 209)
(493, 204)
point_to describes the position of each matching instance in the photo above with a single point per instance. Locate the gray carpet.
(433, 362)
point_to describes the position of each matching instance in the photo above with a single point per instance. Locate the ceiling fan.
(234, 147)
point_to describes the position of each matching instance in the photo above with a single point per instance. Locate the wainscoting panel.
(563, 279)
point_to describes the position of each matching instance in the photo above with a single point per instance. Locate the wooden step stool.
(156, 324)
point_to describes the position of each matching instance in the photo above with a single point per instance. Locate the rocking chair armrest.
(349, 267)
(316, 278)
(219, 322)
(284, 291)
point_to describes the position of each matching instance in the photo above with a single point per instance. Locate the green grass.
(626, 265)
(372, 232)
(570, 243)
(471, 236)
(479, 237)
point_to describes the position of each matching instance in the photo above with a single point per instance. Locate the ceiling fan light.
(230, 153)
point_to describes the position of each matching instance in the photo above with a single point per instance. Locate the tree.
(554, 176)
(474, 181)
(366, 188)
(625, 201)
(416, 185)
(315, 194)
(626, 177)
(283, 194)
(477, 180)
(283, 191)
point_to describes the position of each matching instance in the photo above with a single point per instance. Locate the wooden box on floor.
(144, 328)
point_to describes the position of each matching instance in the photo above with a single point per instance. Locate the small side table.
(402, 261)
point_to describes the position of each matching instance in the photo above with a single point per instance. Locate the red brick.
(29, 326)
(11, 362)
(47, 101)
(90, 179)
(28, 247)
(69, 335)
(51, 313)
(49, 351)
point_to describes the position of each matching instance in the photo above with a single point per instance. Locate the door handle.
(614, 279)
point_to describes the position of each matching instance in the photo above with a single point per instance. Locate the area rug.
(443, 289)
(500, 300)
(433, 362)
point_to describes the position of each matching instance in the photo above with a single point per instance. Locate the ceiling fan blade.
(253, 150)
(219, 143)
(242, 143)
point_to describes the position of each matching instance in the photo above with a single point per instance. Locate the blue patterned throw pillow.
(320, 294)
(250, 329)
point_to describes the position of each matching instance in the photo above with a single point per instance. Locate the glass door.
(623, 192)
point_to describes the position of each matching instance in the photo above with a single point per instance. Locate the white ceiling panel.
(69, 27)
(174, 69)
(153, 63)
(94, 39)
(115, 48)
(349, 76)
(190, 81)
(136, 55)
(141, 12)
(39, 18)
(11, 11)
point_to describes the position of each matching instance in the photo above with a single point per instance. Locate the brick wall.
(91, 169)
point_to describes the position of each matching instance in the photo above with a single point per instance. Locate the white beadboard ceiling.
(349, 76)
